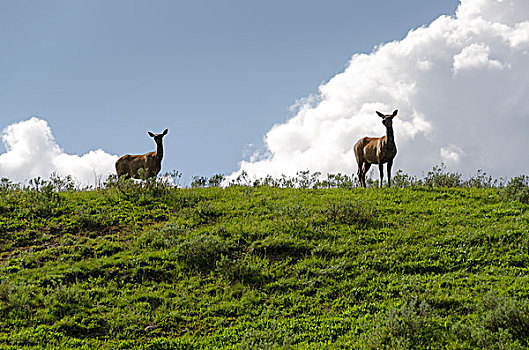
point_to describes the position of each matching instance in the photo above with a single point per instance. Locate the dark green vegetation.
(264, 267)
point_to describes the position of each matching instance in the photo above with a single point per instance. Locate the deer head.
(158, 137)
(387, 119)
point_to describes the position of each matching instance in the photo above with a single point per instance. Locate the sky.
(267, 87)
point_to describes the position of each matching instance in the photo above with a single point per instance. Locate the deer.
(377, 150)
(143, 166)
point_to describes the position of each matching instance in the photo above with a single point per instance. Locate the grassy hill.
(263, 267)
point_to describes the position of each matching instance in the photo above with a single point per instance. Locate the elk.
(142, 166)
(377, 150)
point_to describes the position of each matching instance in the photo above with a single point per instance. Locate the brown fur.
(371, 150)
(150, 163)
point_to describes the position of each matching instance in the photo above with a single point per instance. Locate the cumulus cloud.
(461, 87)
(32, 152)
(475, 56)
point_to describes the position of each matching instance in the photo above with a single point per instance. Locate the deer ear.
(150, 134)
(380, 114)
(165, 131)
(395, 112)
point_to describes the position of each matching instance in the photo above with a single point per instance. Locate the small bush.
(248, 269)
(403, 180)
(207, 212)
(199, 182)
(6, 289)
(517, 189)
(481, 180)
(143, 191)
(272, 336)
(17, 298)
(438, 177)
(7, 185)
(503, 324)
(307, 180)
(167, 237)
(94, 218)
(201, 252)
(216, 180)
(338, 181)
(506, 313)
(349, 213)
(408, 320)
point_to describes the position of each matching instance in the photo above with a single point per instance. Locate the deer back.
(131, 165)
(368, 149)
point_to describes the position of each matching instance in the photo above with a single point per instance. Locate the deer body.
(377, 150)
(142, 166)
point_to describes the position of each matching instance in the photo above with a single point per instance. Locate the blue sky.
(218, 74)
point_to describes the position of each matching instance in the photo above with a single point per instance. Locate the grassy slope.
(263, 268)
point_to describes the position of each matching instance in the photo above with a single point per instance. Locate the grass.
(151, 266)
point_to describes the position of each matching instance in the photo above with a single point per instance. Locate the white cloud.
(475, 56)
(451, 155)
(460, 86)
(32, 152)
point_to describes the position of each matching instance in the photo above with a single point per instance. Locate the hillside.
(262, 267)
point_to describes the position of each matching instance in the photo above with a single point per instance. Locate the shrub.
(408, 320)
(199, 182)
(216, 180)
(403, 180)
(7, 185)
(145, 190)
(438, 177)
(167, 237)
(242, 179)
(338, 181)
(271, 336)
(517, 189)
(481, 180)
(307, 180)
(201, 252)
(6, 289)
(349, 213)
(506, 313)
(503, 324)
(18, 298)
(248, 269)
(172, 178)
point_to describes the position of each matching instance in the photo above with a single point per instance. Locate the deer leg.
(381, 170)
(390, 163)
(364, 172)
(359, 172)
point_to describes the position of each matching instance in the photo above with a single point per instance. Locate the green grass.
(263, 267)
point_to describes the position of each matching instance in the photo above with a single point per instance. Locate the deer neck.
(389, 135)
(159, 150)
